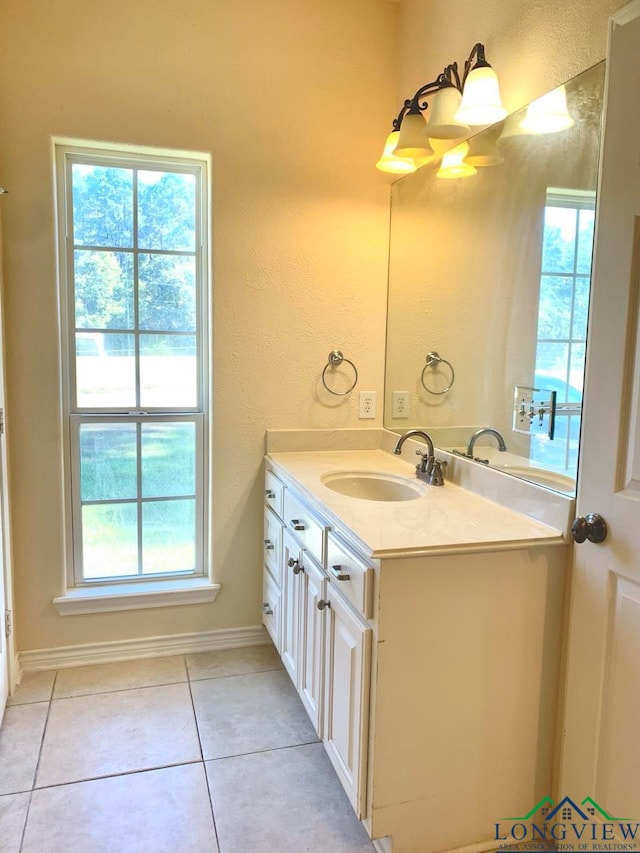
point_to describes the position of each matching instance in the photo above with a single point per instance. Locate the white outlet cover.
(367, 405)
(400, 404)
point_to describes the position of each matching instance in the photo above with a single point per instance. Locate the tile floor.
(206, 753)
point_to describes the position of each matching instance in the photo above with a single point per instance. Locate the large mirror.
(489, 289)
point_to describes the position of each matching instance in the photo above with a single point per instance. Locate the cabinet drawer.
(273, 492)
(273, 544)
(351, 576)
(271, 610)
(299, 520)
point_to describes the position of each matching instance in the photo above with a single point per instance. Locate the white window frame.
(83, 595)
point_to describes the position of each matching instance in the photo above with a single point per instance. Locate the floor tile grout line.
(118, 690)
(236, 674)
(44, 733)
(24, 826)
(204, 766)
(35, 772)
(260, 751)
(116, 775)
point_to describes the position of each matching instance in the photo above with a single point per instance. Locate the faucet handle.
(436, 477)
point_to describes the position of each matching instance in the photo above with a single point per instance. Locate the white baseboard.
(146, 647)
(385, 845)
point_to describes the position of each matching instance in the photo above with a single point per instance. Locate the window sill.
(136, 596)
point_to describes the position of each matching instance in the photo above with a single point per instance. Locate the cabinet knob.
(297, 524)
(322, 604)
(269, 494)
(295, 565)
(268, 544)
(339, 575)
(266, 609)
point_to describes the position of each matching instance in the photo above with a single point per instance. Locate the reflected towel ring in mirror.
(433, 360)
(335, 359)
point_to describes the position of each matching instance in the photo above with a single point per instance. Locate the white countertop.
(446, 519)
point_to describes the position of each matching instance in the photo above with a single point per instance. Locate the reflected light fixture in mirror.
(457, 103)
(512, 129)
(483, 151)
(454, 164)
(548, 114)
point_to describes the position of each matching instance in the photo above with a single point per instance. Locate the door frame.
(6, 567)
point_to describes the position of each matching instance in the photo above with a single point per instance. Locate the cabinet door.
(313, 590)
(273, 545)
(291, 585)
(346, 697)
(271, 613)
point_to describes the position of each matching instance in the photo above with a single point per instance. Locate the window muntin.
(562, 319)
(134, 287)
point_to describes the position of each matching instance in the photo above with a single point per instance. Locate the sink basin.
(371, 486)
(550, 479)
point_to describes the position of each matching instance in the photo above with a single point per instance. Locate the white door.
(601, 747)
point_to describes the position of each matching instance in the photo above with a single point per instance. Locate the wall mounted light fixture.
(456, 105)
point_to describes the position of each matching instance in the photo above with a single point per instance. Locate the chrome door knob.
(322, 604)
(592, 527)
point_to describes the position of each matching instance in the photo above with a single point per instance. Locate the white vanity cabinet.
(431, 677)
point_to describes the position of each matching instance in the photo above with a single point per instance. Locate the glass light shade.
(481, 103)
(453, 165)
(388, 162)
(549, 114)
(442, 123)
(483, 152)
(413, 141)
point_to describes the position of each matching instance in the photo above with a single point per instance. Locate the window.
(562, 318)
(133, 296)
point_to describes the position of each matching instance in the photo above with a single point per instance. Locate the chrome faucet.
(428, 468)
(485, 431)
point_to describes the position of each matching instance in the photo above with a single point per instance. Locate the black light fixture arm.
(450, 77)
(477, 54)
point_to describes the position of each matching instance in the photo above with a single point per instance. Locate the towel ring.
(335, 359)
(433, 359)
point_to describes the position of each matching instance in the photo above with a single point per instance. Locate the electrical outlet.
(400, 404)
(367, 408)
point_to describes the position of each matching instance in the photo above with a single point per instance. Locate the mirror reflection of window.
(567, 245)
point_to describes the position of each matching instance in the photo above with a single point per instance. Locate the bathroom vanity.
(423, 636)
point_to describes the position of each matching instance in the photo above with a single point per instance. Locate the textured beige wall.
(292, 100)
(534, 45)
